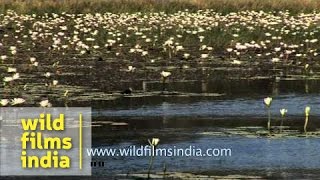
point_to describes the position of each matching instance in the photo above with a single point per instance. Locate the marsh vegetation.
(155, 68)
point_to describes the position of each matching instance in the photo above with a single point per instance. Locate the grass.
(120, 6)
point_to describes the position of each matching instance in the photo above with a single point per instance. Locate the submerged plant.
(283, 113)
(307, 113)
(153, 143)
(267, 102)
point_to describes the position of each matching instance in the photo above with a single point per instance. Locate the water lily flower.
(47, 74)
(306, 66)
(186, 55)
(10, 69)
(32, 59)
(179, 48)
(16, 76)
(165, 74)
(203, 56)
(267, 101)
(229, 49)
(131, 69)
(283, 112)
(144, 53)
(55, 82)
(8, 79)
(154, 141)
(237, 62)
(45, 103)
(275, 60)
(307, 111)
(3, 57)
(16, 101)
(4, 102)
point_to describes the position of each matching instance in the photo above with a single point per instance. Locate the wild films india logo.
(51, 141)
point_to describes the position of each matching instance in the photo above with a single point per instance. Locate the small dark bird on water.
(127, 91)
(109, 48)
(100, 58)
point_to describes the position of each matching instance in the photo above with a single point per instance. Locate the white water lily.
(16, 101)
(165, 74)
(275, 60)
(229, 49)
(203, 56)
(237, 62)
(154, 141)
(144, 53)
(283, 112)
(179, 48)
(131, 69)
(307, 110)
(306, 66)
(45, 103)
(3, 57)
(16, 76)
(10, 69)
(4, 102)
(307, 113)
(32, 59)
(8, 79)
(47, 74)
(267, 101)
(186, 55)
(55, 82)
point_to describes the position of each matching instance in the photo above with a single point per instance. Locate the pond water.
(248, 154)
(234, 118)
(230, 121)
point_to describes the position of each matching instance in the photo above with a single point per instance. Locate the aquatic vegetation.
(307, 113)
(267, 102)
(105, 50)
(153, 144)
